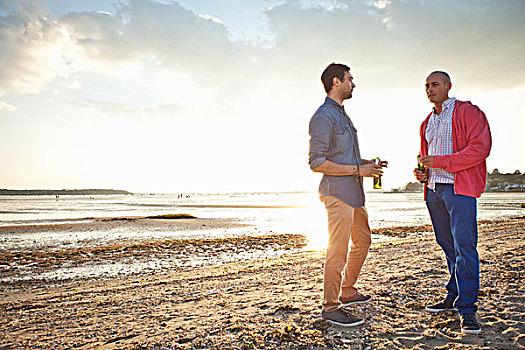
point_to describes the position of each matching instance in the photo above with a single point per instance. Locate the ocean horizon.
(386, 209)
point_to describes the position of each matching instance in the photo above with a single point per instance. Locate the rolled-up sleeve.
(320, 130)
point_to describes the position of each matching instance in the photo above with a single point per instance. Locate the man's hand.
(370, 170)
(420, 175)
(383, 163)
(427, 161)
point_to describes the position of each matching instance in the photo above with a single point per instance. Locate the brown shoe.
(356, 299)
(342, 317)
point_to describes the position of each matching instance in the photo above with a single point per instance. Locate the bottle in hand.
(377, 179)
(421, 168)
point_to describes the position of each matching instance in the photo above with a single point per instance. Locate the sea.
(257, 213)
(270, 212)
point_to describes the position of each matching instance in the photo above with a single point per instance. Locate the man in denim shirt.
(334, 152)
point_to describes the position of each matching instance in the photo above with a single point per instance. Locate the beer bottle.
(421, 167)
(377, 179)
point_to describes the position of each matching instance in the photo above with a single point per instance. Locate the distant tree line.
(496, 181)
(86, 192)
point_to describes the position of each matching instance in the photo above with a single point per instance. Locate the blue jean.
(455, 226)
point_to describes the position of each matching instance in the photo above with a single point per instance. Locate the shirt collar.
(449, 103)
(446, 105)
(331, 102)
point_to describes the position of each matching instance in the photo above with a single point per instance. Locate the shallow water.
(297, 213)
(256, 214)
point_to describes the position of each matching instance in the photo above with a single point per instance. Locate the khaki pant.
(344, 223)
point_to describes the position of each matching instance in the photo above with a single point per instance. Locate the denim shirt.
(333, 137)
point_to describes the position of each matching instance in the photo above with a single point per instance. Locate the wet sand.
(115, 246)
(271, 303)
(110, 247)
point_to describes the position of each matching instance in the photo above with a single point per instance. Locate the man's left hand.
(382, 163)
(427, 161)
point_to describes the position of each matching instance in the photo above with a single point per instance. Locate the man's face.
(347, 86)
(437, 88)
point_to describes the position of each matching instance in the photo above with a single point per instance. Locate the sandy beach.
(260, 303)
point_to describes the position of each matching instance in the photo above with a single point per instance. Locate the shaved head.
(443, 74)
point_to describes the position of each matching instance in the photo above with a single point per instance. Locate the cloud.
(33, 49)
(119, 108)
(477, 41)
(211, 18)
(169, 35)
(7, 107)
(25, 10)
(314, 33)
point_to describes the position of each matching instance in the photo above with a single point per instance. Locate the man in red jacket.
(455, 141)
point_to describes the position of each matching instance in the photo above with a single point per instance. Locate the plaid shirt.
(439, 138)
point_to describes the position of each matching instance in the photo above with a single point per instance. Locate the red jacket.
(471, 146)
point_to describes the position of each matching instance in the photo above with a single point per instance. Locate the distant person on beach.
(334, 152)
(455, 141)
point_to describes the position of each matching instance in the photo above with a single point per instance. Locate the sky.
(216, 96)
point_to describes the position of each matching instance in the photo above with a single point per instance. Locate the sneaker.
(356, 299)
(442, 306)
(342, 317)
(469, 324)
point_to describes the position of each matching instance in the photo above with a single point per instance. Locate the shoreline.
(59, 253)
(274, 303)
(114, 246)
(105, 247)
